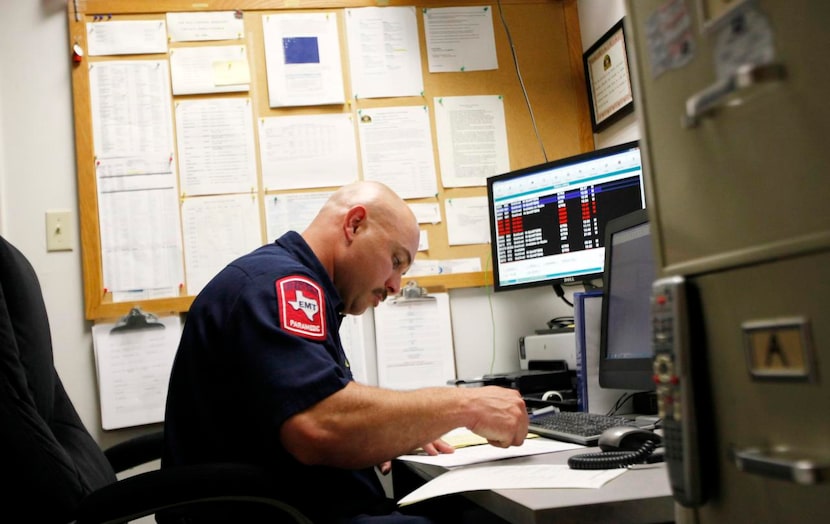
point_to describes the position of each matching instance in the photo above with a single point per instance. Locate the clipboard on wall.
(133, 359)
(413, 337)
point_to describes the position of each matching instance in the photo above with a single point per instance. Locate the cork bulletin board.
(543, 34)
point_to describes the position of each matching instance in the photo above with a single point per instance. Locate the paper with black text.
(133, 371)
(486, 453)
(511, 477)
(414, 342)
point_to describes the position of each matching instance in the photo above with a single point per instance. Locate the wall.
(595, 18)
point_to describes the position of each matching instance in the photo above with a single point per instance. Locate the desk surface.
(641, 495)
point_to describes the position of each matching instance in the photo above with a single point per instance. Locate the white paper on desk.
(486, 453)
(511, 477)
(133, 370)
(414, 343)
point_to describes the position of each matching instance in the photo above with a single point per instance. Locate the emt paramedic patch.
(301, 307)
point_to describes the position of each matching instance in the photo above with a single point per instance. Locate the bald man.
(260, 375)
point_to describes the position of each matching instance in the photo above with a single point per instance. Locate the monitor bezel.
(632, 374)
(554, 164)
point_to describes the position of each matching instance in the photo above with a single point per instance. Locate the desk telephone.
(621, 446)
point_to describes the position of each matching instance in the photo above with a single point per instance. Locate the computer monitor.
(547, 222)
(625, 352)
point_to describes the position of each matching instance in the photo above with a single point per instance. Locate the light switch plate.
(58, 231)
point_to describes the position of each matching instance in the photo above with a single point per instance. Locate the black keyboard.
(576, 427)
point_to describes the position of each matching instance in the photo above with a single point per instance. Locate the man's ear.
(355, 219)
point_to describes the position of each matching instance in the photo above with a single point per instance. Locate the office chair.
(53, 469)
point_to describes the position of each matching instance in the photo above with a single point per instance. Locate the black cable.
(560, 292)
(565, 322)
(522, 82)
(612, 459)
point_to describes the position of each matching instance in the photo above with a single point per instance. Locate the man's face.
(379, 257)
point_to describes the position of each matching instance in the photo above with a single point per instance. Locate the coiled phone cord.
(612, 459)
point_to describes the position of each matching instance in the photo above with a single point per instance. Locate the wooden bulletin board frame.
(545, 35)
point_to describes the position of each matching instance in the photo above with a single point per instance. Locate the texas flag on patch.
(301, 307)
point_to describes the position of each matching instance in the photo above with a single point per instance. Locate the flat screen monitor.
(547, 222)
(625, 353)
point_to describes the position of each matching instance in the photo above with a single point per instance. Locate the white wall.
(37, 173)
(595, 18)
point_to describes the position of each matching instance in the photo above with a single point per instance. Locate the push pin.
(77, 54)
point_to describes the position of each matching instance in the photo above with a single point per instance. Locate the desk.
(641, 495)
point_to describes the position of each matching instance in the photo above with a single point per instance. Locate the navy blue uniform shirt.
(260, 344)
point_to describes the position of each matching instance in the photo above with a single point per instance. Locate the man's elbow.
(305, 441)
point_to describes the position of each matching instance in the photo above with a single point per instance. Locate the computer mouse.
(625, 438)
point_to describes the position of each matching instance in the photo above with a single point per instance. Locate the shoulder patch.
(301, 307)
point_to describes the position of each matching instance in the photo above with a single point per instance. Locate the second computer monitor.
(626, 355)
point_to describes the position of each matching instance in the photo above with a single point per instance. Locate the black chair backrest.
(50, 461)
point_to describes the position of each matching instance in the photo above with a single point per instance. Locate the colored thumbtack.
(77, 53)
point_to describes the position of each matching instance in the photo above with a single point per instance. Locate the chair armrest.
(147, 493)
(135, 451)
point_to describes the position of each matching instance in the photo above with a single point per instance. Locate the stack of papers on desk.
(474, 454)
(511, 477)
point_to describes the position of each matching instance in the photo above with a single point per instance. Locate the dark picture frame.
(608, 78)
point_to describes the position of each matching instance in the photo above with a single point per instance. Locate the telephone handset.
(676, 399)
(621, 446)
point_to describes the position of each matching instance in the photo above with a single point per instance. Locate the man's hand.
(437, 447)
(500, 416)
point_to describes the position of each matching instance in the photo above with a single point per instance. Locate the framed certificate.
(608, 78)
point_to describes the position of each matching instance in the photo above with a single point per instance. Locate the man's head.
(366, 237)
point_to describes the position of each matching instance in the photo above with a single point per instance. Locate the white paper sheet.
(307, 151)
(216, 146)
(356, 335)
(460, 39)
(396, 149)
(384, 52)
(423, 241)
(414, 343)
(126, 37)
(426, 213)
(205, 26)
(133, 371)
(209, 69)
(138, 213)
(468, 220)
(511, 477)
(302, 59)
(425, 267)
(217, 230)
(130, 104)
(486, 453)
(292, 211)
(472, 139)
